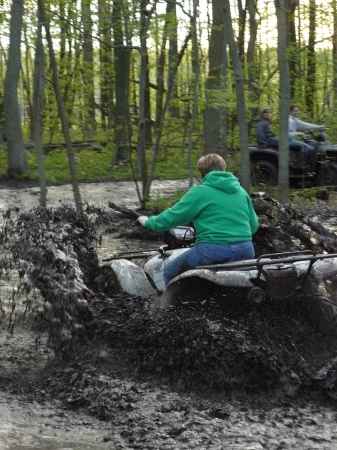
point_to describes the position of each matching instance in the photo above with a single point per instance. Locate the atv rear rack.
(271, 259)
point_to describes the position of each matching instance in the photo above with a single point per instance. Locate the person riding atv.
(306, 151)
(318, 170)
(312, 161)
(223, 216)
(264, 134)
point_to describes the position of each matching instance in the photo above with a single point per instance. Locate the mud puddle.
(31, 426)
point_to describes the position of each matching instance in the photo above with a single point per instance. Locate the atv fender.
(321, 269)
(154, 267)
(325, 268)
(131, 278)
(234, 278)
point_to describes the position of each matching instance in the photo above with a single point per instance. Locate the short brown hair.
(210, 162)
(264, 110)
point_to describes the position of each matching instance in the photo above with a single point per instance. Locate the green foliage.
(95, 166)
(301, 196)
(3, 162)
(161, 202)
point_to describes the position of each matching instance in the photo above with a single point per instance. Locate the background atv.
(320, 169)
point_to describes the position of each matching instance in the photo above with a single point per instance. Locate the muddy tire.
(309, 284)
(264, 173)
(321, 313)
(107, 281)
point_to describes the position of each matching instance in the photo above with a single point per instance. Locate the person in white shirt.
(294, 125)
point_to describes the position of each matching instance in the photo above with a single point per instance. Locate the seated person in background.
(223, 216)
(264, 135)
(294, 125)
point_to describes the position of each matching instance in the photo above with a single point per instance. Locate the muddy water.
(99, 194)
(31, 426)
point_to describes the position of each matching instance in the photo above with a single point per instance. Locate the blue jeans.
(272, 142)
(298, 145)
(208, 253)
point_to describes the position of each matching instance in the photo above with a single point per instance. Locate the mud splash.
(111, 351)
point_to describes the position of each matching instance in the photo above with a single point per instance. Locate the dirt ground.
(134, 380)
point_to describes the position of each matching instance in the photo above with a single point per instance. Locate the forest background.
(144, 88)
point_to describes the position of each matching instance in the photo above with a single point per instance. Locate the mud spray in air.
(121, 374)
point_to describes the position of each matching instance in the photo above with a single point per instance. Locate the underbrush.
(96, 166)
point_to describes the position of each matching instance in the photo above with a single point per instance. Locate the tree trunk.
(141, 156)
(171, 11)
(121, 151)
(242, 27)
(334, 52)
(253, 90)
(310, 85)
(196, 64)
(240, 97)
(88, 73)
(61, 109)
(215, 114)
(106, 65)
(2, 120)
(25, 75)
(284, 101)
(160, 77)
(37, 115)
(16, 156)
(293, 54)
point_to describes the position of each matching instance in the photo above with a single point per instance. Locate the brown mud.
(77, 355)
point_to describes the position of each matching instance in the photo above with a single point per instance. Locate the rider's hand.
(142, 220)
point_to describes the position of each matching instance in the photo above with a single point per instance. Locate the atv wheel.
(264, 173)
(107, 281)
(328, 175)
(309, 284)
(256, 296)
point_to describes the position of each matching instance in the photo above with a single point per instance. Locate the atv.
(233, 287)
(319, 169)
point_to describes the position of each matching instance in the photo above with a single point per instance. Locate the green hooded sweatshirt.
(220, 209)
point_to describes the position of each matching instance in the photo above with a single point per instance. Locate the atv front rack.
(136, 254)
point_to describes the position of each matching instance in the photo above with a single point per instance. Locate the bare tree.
(88, 72)
(240, 97)
(37, 115)
(215, 113)
(334, 51)
(294, 67)
(171, 11)
(282, 44)
(16, 156)
(61, 109)
(121, 152)
(145, 18)
(196, 65)
(106, 65)
(310, 85)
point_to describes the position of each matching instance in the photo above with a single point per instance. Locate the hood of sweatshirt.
(224, 181)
